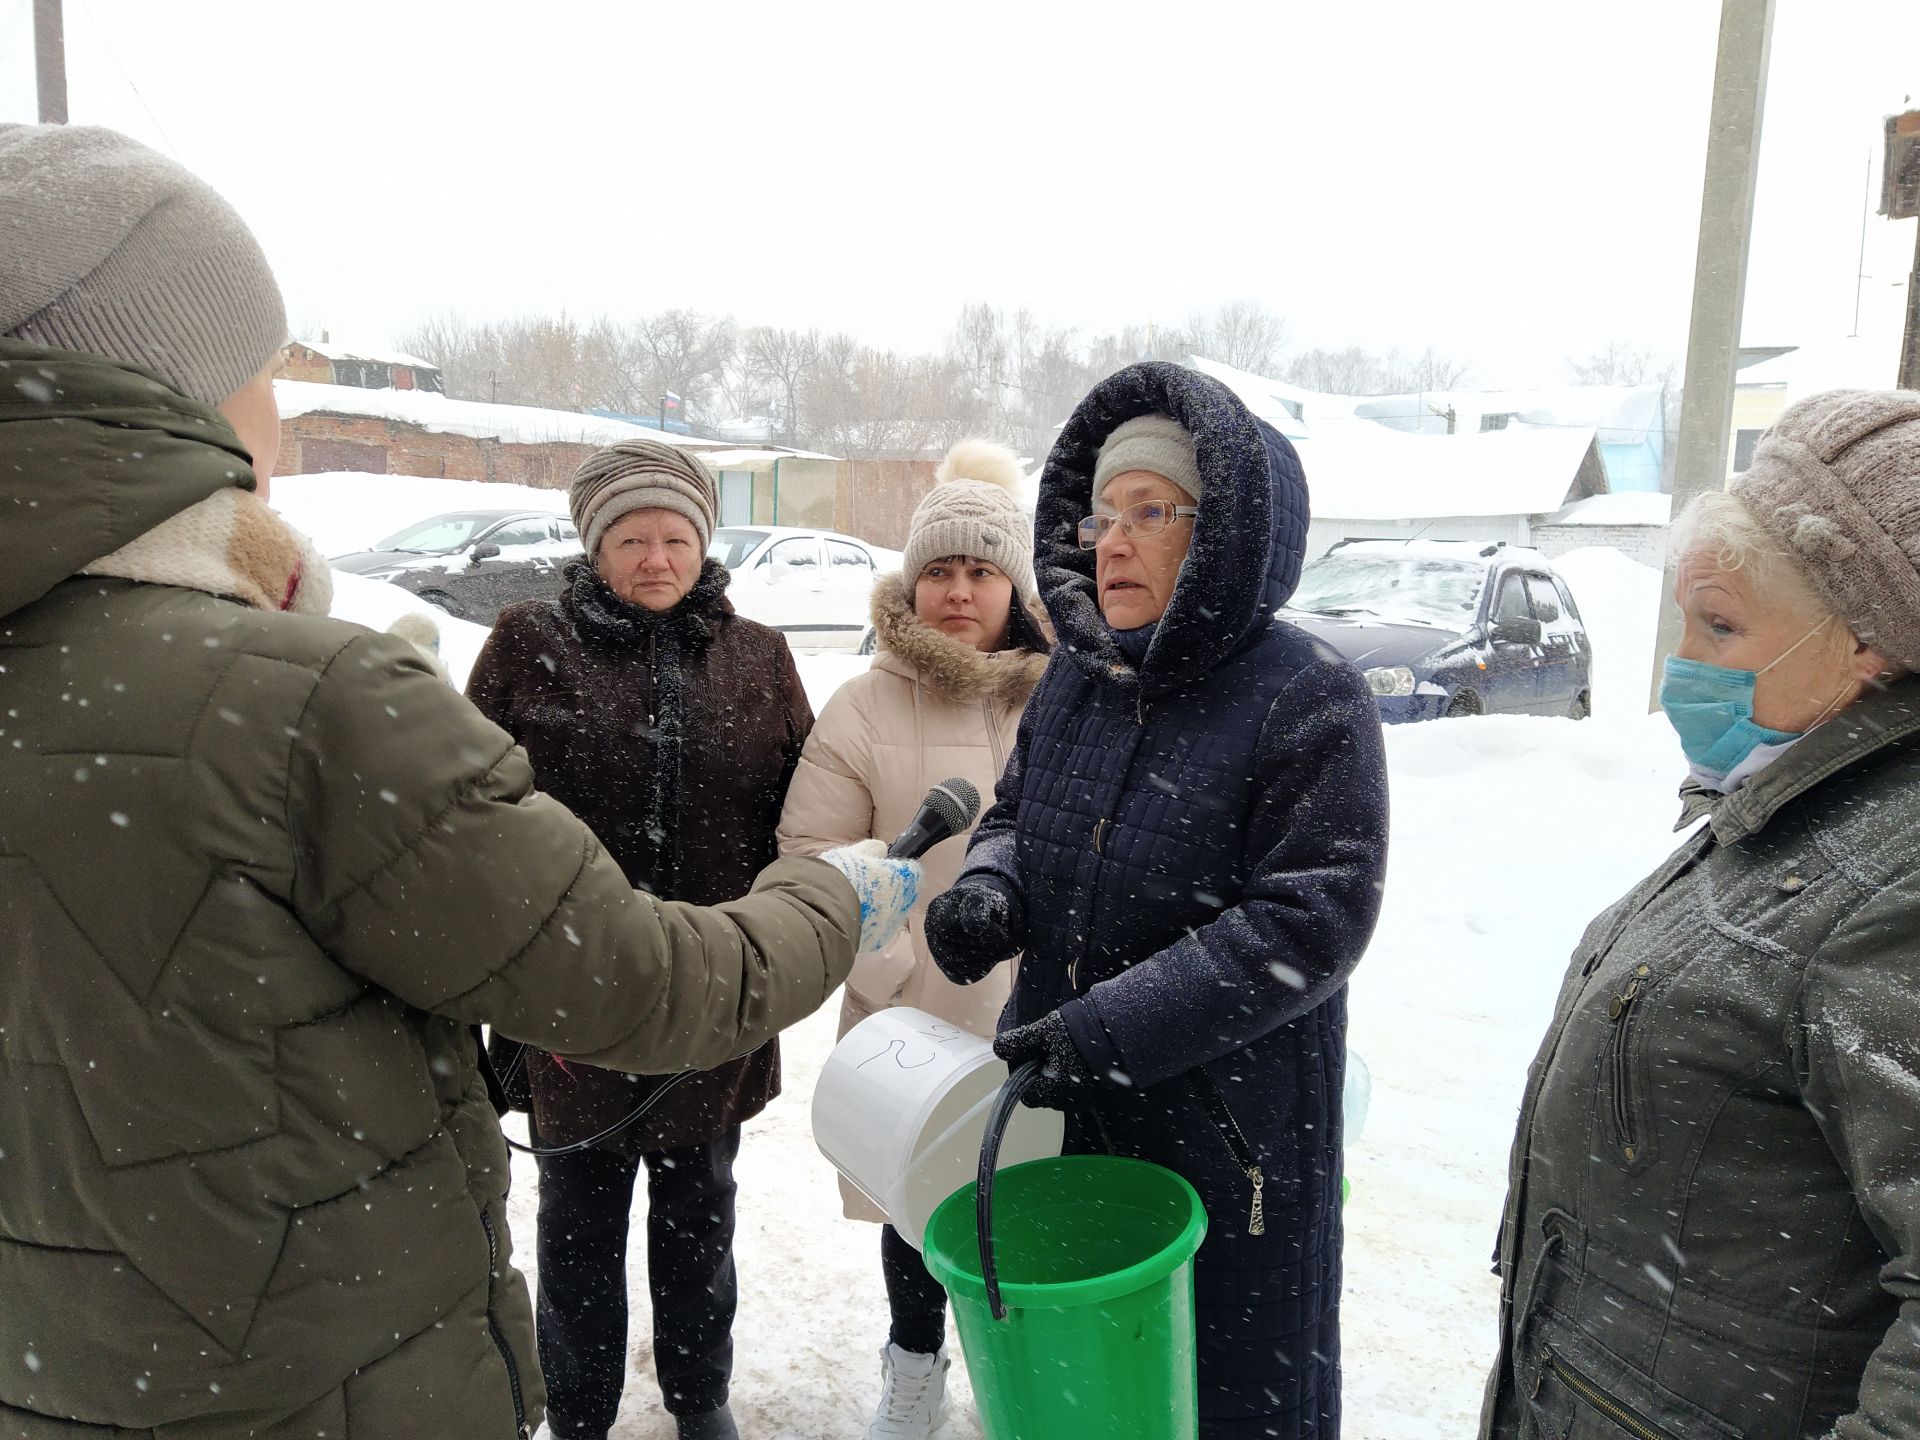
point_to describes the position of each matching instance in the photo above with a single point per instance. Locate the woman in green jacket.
(259, 872)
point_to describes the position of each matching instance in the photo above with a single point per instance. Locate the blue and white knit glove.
(887, 889)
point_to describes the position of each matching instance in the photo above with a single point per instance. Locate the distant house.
(327, 427)
(1769, 378)
(324, 363)
(1368, 480)
(1627, 422)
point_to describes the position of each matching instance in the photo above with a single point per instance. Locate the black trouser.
(918, 1302)
(585, 1200)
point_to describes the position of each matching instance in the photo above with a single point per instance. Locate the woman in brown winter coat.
(962, 642)
(672, 726)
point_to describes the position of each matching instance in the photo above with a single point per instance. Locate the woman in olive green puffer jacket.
(260, 870)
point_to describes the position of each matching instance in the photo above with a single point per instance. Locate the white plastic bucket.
(901, 1108)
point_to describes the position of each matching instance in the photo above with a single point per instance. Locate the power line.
(107, 45)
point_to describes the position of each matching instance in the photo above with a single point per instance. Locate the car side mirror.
(484, 552)
(1518, 631)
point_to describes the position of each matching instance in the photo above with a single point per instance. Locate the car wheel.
(866, 643)
(1582, 706)
(1464, 703)
(440, 600)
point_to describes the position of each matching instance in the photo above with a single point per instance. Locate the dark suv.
(473, 563)
(1450, 627)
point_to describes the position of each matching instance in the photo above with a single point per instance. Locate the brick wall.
(317, 442)
(1644, 543)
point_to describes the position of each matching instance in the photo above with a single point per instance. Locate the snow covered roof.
(334, 350)
(1619, 414)
(756, 461)
(1868, 361)
(1368, 472)
(1631, 507)
(1281, 405)
(515, 424)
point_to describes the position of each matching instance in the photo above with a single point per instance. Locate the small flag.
(670, 400)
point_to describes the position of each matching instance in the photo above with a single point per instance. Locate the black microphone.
(950, 807)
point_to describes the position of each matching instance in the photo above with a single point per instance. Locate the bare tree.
(1619, 364)
(1240, 333)
(686, 353)
(1354, 371)
(783, 361)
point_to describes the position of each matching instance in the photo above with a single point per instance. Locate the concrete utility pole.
(50, 61)
(1719, 276)
(1900, 200)
(1910, 345)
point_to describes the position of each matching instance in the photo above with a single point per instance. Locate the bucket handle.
(1010, 1093)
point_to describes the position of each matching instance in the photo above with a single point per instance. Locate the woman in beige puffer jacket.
(962, 641)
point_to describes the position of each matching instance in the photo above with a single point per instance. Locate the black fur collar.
(601, 617)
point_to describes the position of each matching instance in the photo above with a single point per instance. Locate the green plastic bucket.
(1077, 1317)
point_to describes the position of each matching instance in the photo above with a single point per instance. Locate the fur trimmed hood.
(954, 670)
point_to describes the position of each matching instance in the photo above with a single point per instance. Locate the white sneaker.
(913, 1395)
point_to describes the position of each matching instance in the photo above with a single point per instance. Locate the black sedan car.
(1448, 628)
(473, 563)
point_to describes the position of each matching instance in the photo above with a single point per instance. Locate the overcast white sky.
(1510, 182)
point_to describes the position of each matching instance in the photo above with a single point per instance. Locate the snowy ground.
(1555, 819)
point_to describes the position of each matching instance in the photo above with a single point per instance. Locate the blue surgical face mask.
(1711, 708)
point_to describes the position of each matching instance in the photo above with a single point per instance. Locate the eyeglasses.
(1149, 517)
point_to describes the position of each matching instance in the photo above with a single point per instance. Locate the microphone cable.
(632, 1117)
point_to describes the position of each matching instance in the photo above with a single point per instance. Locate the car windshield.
(730, 547)
(1407, 589)
(441, 535)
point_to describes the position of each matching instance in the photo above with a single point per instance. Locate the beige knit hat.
(1155, 443)
(971, 510)
(109, 248)
(1836, 482)
(640, 475)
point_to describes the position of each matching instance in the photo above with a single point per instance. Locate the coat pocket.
(1625, 1093)
(1571, 1400)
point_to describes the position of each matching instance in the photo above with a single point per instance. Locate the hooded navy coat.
(1196, 844)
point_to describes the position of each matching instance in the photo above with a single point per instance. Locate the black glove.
(971, 929)
(1064, 1079)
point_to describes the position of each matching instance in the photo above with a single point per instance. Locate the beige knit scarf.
(229, 544)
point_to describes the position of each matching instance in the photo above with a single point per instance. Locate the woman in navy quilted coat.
(1188, 846)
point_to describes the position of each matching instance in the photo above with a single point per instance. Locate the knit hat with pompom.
(1836, 482)
(972, 510)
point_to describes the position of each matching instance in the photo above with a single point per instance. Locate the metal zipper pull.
(1257, 1221)
(1617, 1006)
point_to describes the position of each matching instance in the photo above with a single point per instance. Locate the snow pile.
(1487, 893)
(1619, 602)
(345, 511)
(1627, 507)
